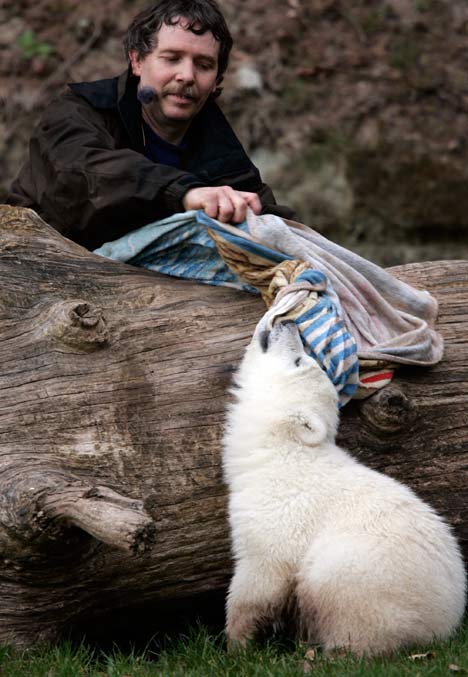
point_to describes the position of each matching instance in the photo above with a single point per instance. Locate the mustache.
(188, 91)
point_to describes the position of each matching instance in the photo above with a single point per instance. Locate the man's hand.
(222, 203)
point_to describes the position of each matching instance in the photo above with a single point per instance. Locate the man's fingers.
(253, 201)
(240, 208)
(225, 209)
(210, 206)
(240, 200)
(222, 202)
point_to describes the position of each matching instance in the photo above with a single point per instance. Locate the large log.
(114, 383)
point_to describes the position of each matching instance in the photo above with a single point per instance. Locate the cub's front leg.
(257, 595)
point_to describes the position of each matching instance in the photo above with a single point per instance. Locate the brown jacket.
(88, 177)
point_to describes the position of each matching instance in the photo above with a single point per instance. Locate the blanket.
(355, 318)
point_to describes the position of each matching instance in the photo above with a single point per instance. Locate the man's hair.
(201, 16)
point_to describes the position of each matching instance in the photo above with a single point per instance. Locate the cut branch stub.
(104, 514)
(39, 507)
(77, 323)
(388, 411)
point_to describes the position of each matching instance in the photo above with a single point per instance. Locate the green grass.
(203, 655)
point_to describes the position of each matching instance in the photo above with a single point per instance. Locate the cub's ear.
(309, 430)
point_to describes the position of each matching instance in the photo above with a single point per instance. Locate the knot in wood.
(389, 411)
(79, 324)
(85, 315)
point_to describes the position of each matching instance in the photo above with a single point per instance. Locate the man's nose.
(186, 71)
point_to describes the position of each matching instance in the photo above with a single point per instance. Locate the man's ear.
(309, 430)
(135, 62)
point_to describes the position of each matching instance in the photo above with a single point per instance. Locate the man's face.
(182, 70)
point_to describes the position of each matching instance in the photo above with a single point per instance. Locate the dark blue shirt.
(162, 152)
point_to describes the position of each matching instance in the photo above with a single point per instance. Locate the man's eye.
(171, 59)
(206, 66)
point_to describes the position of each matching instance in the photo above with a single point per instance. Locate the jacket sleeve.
(270, 206)
(80, 181)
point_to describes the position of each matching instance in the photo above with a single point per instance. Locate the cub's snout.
(282, 337)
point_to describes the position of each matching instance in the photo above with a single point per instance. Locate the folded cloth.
(389, 319)
(345, 307)
(179, 246)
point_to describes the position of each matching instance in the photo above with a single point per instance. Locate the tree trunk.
(114, 385)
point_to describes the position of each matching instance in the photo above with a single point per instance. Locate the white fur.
(372, 566)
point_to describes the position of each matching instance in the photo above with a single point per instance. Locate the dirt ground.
(356, 112)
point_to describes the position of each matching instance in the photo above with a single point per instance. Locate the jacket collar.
(116, 94)
(130, 108)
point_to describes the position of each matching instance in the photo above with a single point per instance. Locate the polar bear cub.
(370, 565)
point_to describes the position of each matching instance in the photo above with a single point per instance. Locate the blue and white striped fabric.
(180, 246)
(327, 339)
(323, 332)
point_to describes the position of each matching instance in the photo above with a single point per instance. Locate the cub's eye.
(297, 361)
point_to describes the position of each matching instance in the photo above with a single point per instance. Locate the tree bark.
(114, 384)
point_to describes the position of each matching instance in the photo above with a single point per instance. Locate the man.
(112, 155)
